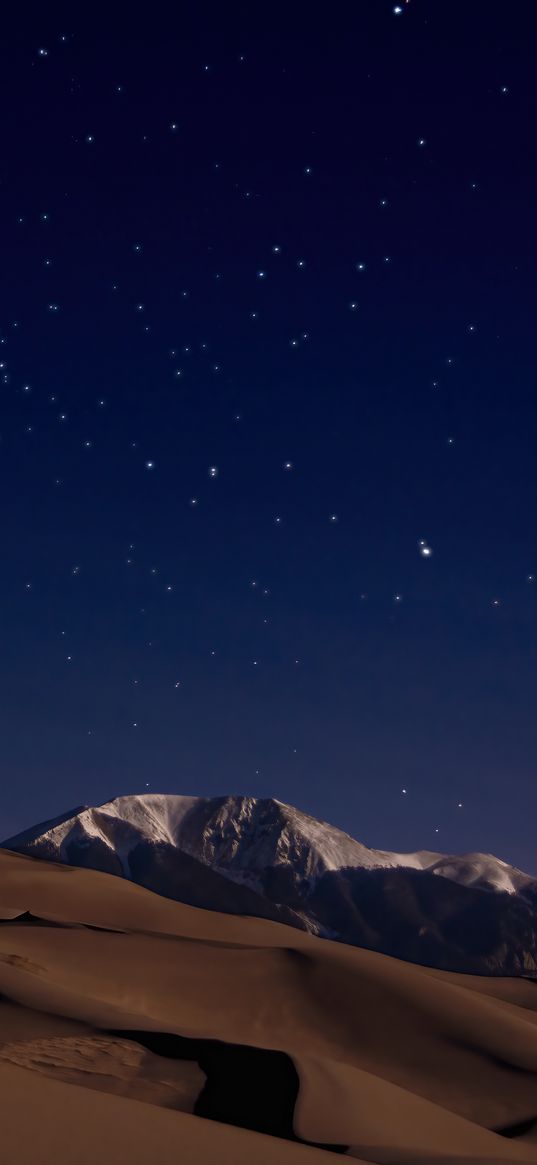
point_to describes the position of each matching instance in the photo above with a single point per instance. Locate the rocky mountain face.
(260, 857)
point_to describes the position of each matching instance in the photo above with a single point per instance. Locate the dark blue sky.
(241, 239)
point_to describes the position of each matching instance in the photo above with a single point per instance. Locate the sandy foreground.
(136, 1029)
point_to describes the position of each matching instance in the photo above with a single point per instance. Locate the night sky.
(268, 414)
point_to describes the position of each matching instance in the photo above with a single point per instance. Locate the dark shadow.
(253, 1088)
(517, 1130)
(29, 919)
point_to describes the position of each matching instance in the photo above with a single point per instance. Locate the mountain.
(242, 855)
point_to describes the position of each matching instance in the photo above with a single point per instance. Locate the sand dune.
(124, 1014)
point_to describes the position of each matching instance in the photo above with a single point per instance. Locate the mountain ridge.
(260, 856)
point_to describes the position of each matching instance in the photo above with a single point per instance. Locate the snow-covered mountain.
(262, 857)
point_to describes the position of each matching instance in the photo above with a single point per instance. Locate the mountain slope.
(243, 855)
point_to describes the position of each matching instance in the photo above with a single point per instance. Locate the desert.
(132, 1024)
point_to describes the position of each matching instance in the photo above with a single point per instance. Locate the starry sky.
(268, 415)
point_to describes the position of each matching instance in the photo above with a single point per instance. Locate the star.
(213, 471)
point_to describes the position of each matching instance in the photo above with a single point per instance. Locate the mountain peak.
(242, 836)
(261, 856)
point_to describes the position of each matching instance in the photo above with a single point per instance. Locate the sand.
(112, 999)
